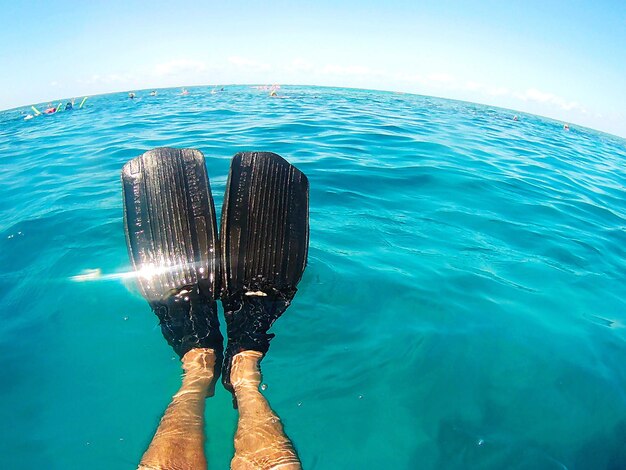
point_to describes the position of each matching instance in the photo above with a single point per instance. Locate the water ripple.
(464, 297)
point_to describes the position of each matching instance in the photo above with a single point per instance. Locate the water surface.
(463, 306)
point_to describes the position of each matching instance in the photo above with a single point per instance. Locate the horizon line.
(327, 86)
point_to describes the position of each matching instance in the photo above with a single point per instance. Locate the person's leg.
(260, 442)
(179, 440)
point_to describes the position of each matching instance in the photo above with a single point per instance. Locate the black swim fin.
(265, 241)
(171, 232)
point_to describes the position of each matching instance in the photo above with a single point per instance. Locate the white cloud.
(361, 72)
(179, 66)
(347, 70)
(473, 86)
(408, 77)
(116, 78)
(107, 79)
(440, 77)
(498, 91)
(437, 79)
(299, 65)
(532, 94)
(244, 62)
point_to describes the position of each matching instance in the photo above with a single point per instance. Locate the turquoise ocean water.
(463, 306)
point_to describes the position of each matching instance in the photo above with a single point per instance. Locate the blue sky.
(561, 59)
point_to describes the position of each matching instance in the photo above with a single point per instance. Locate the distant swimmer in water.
(274, 94)
(274, 91)
(515, 118)
(184, 91)
(566, 127)
(153, 93)
(261, 263)
(50, 109)
(131, 95)
(69, 106)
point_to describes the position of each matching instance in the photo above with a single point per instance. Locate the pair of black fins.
(182, 265)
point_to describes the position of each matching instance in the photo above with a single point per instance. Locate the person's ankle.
(199, 360)
(199, 366)
(245, 371)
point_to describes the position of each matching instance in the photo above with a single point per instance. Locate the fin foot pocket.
(189, 320)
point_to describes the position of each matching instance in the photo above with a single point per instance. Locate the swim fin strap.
(171, 233)
(264, 241)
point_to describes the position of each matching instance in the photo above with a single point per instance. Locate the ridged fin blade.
(171, 228)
